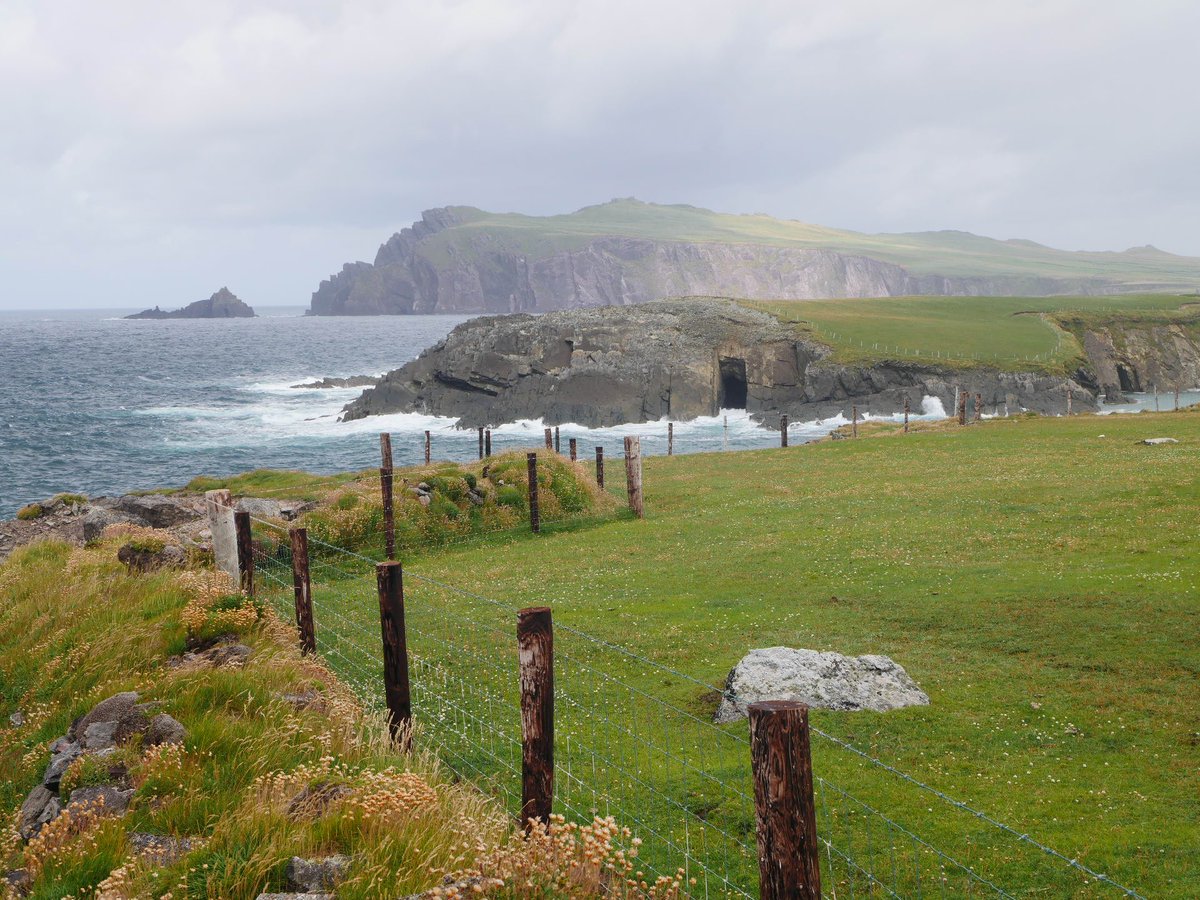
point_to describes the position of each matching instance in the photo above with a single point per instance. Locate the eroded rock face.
(678, 359)
(824, 680)
(1140, 358)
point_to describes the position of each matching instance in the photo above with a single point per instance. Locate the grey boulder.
(157, 511)
(823, 680)
(315, 875)
(165, 729)
(40, 807)
(103, 798)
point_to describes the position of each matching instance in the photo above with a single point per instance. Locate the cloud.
(155, 151)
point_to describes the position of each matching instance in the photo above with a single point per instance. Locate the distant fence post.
(304, 612)
(535, 522)
(390, 579)
(670, 439)
(487, 442)
(783, 427)
(574, 449)
(245, 551)
(962, 407)
(1070, 398)
(535, 651)
(1176, 397)
(633, 475)
(979, 406)
(428, 447)
(854, 420)
(549, 439)
(906, 415)
(481, 442)
(1156, 409)
(785, 811)
(725, 435)
(600, 468)
(557, 440)
(219, 506)
(386, 484)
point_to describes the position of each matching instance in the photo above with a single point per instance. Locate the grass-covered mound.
(278, 758)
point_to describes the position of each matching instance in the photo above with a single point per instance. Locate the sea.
(97, 404)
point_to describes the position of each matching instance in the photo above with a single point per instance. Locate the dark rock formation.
(221, 305)
(679, 359)
(324, 384)
(1140, 357)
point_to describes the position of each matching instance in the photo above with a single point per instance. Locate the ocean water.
(95, 404)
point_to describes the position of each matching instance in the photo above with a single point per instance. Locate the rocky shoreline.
(679, 359)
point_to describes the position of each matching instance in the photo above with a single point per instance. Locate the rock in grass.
(104, 798)
(19, 881)
(314, 875)
(165, 730)
(294, 897)
(159, 849)
(1155, 442)
(39, 808)
(112, 709)
(824, 680)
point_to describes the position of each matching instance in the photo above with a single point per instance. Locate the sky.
(153, 152)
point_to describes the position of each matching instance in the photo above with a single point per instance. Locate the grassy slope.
(950, 253)
(1001, 329)
(1027, 561)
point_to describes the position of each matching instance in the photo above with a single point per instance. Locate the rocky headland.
(679, 359)
(221, 305)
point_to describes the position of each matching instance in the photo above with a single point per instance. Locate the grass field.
(949, 253)
(1037, 577)
(1020, 332)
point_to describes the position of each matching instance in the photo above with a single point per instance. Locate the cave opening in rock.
(733, 384)
(1128, 378)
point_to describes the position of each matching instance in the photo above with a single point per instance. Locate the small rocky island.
(221, 305)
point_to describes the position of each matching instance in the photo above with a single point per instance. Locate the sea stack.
(221, 305)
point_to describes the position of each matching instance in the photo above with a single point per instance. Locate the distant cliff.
(678, 359)
(221, 305)
(465, 260)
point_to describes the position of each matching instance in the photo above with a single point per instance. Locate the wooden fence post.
(1070, 398)
(670, 439)
(574, 449)
(725, 435)
(487, 442)
(386, 484)
(854, 420)
(304, 612)
(1156, 409)
(219, 506)
(557, 440)
(785, 812)
(549, 439)
(245, 552)
(783, 427)
(481, 442)
(962, 407)
(535, 522)
(535, 651)
(600, 468)
(633, 475)
(428, 447)
(1177, 397)
(390, 579)
(979, 406)
(906, 415)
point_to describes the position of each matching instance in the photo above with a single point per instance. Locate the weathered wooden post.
(725, 435)
(785, 812)
(1070, 397)
(670, 439)
(962, 407)
(557, 440)
(390, 580)
(783, 427)
(386, 483)
(906, 415)
(245, 552)
(303, 585)
(1156, 409)
(219, 506)
(487, 442)
(535, 651)
(633, 475)
(573, 444)
(549, 439)
(600, 468)
(1176, 398)
(979, 407)
(535, 522)
(854, 420)
(481, 442)
(428, 448)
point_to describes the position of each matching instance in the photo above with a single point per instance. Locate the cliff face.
(1140, 357)
(681, 359)
(479, 273)
(221, 305)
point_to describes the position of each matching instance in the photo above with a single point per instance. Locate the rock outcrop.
(679, 359)
(823, 680)
(1133, 356)
(221, 305)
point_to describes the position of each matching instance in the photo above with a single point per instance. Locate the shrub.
(214, 609)
(346, 501)
(71, 499)
(511, 496)
(31, 512)
(148, 544)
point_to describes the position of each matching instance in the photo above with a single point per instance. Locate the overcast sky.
(152, 152)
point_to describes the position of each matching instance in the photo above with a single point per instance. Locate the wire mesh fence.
(628, 746)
